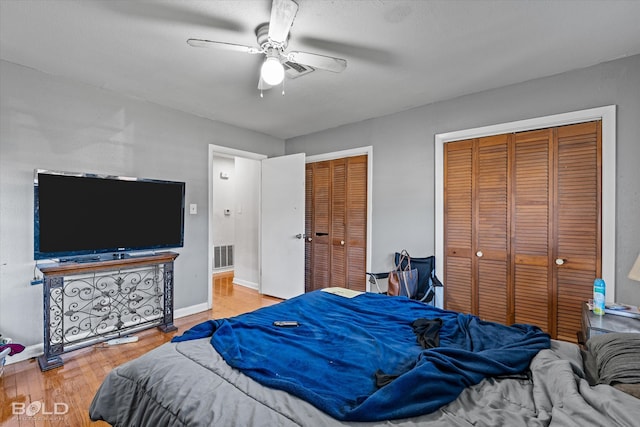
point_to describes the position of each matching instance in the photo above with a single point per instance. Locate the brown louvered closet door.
(356, 235)
(458, 226)
(319, 247)
(308, 229)
(336, 223)
(477, 227)
(522, 226)
(338, 272)
(492, 228)
(577, 222)
(531, 198)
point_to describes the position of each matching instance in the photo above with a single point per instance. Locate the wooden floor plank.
(75, 383)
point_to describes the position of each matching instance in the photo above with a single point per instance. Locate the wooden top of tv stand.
(77, 267)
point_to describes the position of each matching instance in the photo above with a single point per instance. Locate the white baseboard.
(193, 309)
(37, 350)
(245, 283)
(28, 352)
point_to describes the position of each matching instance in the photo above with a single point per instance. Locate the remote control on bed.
(286, 323)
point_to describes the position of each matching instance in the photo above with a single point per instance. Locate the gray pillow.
(617, 358)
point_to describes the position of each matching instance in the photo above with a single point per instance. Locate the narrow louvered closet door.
(320, 226)
(458, 226)
(338, 236)
(356, 204)
(531, 227)
(308, 228)
(577, 258)
(491, 228)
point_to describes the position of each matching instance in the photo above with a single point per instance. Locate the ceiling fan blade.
(171, 13)
(223, 45)
(321, 62)
(282, 14)
(364, 52)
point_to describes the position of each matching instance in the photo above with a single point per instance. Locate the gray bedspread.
(189, 384)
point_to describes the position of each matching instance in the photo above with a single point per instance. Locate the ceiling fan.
(273, 38)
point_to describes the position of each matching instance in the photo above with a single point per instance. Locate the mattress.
(190, 383)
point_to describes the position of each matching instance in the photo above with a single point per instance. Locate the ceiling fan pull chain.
(283, 86)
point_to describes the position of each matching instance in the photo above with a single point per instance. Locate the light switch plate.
(193, 209)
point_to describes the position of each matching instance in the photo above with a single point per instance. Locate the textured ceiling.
(400, 54)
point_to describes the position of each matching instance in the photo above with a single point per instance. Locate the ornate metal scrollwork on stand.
(81, 309)
(102, 304)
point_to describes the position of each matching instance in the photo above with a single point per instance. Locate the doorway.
(233, 216)
(216, 150)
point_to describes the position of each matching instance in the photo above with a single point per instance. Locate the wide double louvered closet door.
(336, 223)
(522, 226)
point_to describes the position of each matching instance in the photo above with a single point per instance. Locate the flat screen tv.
(86, 216)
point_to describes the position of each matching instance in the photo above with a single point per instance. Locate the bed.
(366, 359)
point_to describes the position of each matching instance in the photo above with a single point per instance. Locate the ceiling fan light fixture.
(273, 39)
(272, 71)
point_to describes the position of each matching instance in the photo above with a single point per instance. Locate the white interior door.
(282, 228)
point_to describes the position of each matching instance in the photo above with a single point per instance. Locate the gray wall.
(53, 123)
(246, 212)
(49, 122)
(223, 195)
(240, 193)
(403, 154)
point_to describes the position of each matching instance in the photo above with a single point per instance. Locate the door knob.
(479, 254)
(342, 242)
(309, 239)
(559, 261)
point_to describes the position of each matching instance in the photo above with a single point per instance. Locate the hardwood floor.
(74, 385)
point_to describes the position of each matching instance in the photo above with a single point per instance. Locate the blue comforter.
(331, 359)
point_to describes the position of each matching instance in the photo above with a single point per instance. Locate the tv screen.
(81, 214)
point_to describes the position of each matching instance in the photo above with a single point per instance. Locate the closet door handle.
(309, 239)
(479, 254)
(560, 261)
(342, 242)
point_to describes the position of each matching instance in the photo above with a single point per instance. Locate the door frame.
(368, 151)
(608, 116)
(215, 151)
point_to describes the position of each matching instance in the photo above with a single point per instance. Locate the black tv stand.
(89, 301)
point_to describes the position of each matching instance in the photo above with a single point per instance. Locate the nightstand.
(593, 324)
